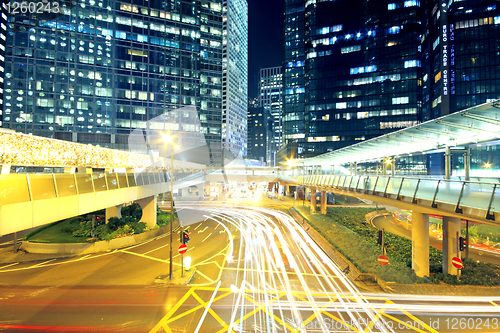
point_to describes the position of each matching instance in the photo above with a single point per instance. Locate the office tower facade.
(235, 76)
(259, 134)
(270, 97)
(102, 68)
(460, 55)
(352, 72)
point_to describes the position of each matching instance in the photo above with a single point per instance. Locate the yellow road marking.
(495, 304)
(211, 311)
(206, 277)
(411, 326)
(206, 237)
(172, 311)
(269, 271)
(415, 319)
(40, 264)
(9, 265)
(158, 248)
(144, 256)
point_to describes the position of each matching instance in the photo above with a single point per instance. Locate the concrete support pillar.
(201, 190)
(114, 211)
(420, 243)
(323, 202)
(384, 167)
(350, 169)
(393, 167)
(467, 164)
(447, 163)
(355, 168)
(313, 201)
(451, 226)
(148, 206)
(5, 169)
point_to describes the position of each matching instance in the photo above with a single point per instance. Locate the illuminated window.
(437, 77)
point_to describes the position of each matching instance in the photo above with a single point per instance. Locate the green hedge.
(344, 229)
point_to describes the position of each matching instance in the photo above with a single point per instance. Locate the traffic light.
(184, 237)
(379, 237)
(463, 244)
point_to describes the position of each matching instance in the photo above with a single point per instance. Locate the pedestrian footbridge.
(476, 201)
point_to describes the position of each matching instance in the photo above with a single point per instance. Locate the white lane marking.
(206, 237)
(9, 265)
(207, 308)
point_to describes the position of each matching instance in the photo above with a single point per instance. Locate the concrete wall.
(102, 246)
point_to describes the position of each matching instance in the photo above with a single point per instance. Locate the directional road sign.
(457, 262)
(183, 248)
(383, 260)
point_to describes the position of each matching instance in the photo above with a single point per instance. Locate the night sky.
(264, 39)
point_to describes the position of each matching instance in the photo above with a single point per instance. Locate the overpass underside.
(32, 200)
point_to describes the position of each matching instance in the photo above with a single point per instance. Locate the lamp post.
(168, 140)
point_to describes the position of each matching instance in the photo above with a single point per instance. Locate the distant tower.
(270, 94)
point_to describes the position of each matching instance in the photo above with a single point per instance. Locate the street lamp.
(167, 138)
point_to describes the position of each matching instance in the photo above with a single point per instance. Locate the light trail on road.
(280, 274)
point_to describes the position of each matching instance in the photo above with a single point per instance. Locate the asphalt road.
(254, 270)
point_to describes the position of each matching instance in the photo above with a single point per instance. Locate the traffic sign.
(383, 260)
(183, 248)
(457, 263)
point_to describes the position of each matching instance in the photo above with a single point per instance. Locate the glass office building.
(235, 77)
(352, 72)
(270, 98)
(104, 68)
(461, 48)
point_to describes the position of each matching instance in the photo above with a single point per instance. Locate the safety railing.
(476, 195)
(15, 188)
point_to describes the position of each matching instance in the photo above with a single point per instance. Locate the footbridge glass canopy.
(470, 126)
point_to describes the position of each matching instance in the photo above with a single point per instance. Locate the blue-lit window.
(411, 3)
(412, 63)
(497, 19)
(394, 30)
(491, 7)
(289, 91)
(435, 44)
(120, 34)
(333, 40)
(365, 69)
(107, 32)
(391, 6)
(300, 90)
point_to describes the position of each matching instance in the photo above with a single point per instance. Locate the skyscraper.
(235, 69)
(357, 69)
(103, 68)
(460, 55)
(270, 98)
(351, 72)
